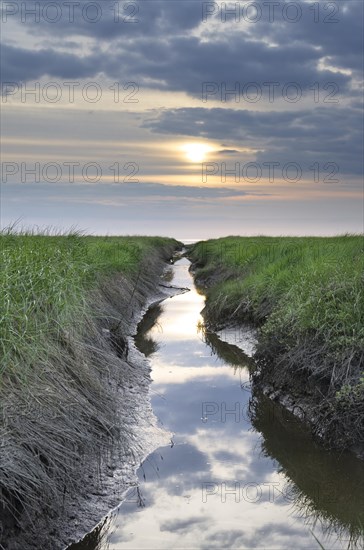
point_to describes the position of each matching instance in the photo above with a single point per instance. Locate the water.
(240, 472)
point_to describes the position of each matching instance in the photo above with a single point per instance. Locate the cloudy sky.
(182, 117)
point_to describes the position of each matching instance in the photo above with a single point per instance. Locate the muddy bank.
(310, 401)
(101, 387)
(284, 377)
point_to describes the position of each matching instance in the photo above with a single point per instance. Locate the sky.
(185, 118)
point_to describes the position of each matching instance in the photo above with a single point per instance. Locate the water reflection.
(232, 355)
(98, 538)
(327, 487)
(241, 472)
(145, 343)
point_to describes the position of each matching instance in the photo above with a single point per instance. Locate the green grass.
(44, 282)
(307, 296)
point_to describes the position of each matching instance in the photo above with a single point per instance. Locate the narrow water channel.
(240, 472)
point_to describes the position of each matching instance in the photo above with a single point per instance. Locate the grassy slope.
(56, 403)
(306, 294)
(44, 281)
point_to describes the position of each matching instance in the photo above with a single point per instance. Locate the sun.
(196, 152)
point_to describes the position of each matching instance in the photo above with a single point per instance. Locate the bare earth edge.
(105, 482)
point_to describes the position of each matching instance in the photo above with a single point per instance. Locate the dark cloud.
(21, 65)
(183, 64)
(228, 152)
(160, 51)
(336, 29)
(322, 135)
(183, 525)
(109, 20)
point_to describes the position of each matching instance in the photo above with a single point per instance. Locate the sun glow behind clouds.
(196, 152)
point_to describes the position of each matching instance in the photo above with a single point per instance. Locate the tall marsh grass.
(44, 280)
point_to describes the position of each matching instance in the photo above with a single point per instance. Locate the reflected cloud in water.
(242, 472)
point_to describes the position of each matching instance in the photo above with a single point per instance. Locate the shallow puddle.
(240, 472)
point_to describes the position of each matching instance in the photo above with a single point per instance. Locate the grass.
(306, 296)
(58, 372)
(44, 282)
